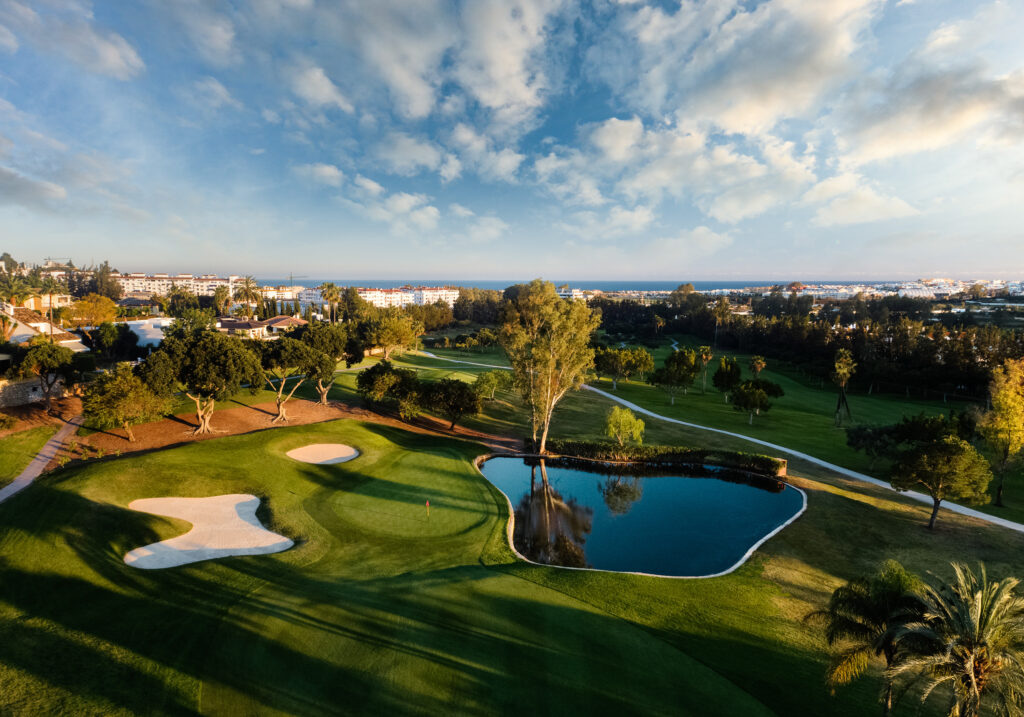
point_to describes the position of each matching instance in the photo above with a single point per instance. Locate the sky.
(628, 139)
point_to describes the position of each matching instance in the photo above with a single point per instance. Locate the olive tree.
(120, 399)
(947, 468)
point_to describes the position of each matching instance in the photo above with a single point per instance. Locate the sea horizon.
(584, 284)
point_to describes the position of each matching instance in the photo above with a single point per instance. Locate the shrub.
(670, 455)
(7, 422)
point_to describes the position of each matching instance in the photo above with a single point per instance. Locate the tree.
(639, 362)
(120, 399)
(15, 290)
(104, 283)
(621, 492)
(453, 399)
(7, 326)
(180, 300)
(752, 396)
(330, 343)
(248, 294)
(623, 426)
(281, 360)
(843, 368)
(678, 374)
(330, 294)
(728, 376)
(722, 312)
(394, 331)
(383, 383)
(611, 362)
(1002, 426)
(947, 468)
(93, 310)
(221, 300)
(757, 365)
(208, 366)
(972, 631)
(488, 382)
(49, 363)
(191, 321)
(863, 619)
(547, 340)
(706, 354)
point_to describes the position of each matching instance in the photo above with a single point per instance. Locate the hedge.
(670, 455)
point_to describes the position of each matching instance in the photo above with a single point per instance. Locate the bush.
(7, 422)
(670, 455)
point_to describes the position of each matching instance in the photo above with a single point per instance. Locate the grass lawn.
(18, 449)
(380, 609)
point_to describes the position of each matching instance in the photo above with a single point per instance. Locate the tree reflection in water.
(549, 529)
(620, 493)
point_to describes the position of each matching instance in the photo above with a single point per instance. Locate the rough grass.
(18, 449)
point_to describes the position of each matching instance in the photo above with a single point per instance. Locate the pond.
(663, 525)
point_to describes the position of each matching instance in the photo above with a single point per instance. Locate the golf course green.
(380, 608)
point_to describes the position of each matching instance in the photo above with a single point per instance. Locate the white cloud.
(368, 186)
(8, 42)
(739, 66)
(403, 211)
(74, 36)
(617, 138)
(324, 173)
(849, 199)
(404, 154)
(17, 189)
(688, 244)
(477, 151)
(270, 116)
(451, 168)
(312, 84)
(461, 211)
(212, 33)
(209, 93)
(486, 229)
(501, 60)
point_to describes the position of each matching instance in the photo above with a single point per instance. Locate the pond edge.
(510, 527)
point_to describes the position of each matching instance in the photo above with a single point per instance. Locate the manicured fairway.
(17, 451)
(382, 610)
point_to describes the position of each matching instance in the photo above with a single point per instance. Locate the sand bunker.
(222, 526)
(323, 453)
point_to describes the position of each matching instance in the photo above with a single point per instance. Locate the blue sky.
(483, 139)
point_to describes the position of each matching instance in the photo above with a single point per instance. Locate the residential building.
(28, 324)
(150, 284)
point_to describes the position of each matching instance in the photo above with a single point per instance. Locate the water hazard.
(664, 525)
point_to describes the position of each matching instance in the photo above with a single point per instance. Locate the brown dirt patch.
(177, 430)
(34, 415)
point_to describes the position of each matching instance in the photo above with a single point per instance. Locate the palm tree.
(16, 291)
(706, 354)
(248, 293)
(221, 300)
(330, 294)
(862, 619)
(7, 326)
(844, 367)
(975, 631)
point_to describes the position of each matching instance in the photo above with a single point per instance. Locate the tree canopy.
(120, 399)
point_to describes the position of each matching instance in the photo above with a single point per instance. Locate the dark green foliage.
(384, 384)
(752, 396)
(946, 468)
(663, 455)
(453, 399)
(728, 376)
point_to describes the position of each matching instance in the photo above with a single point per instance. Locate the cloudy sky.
(516, 138)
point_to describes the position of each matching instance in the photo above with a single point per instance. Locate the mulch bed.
(240, 419)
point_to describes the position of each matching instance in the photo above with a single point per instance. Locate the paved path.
(954, 507)
(42, 459)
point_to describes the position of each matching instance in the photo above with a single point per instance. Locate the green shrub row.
(607, 451)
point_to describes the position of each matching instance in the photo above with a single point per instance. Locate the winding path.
(46, 454)
(921, 497)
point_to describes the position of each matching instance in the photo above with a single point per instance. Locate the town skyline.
(776, 139)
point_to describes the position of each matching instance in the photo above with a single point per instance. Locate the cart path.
(46, 454)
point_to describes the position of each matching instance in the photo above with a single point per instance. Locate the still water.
(664, 525)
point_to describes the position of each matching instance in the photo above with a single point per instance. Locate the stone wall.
(21, 393)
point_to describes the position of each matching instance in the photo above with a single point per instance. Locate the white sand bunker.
(222, 526)
(323, 453)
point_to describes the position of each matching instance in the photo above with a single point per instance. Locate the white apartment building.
(384, 298)
(565, 294)
(204, 285)
(283, 293)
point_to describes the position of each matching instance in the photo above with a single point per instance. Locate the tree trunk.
(204, 413)
(999, 488)
(452, 427)
(673, 399)
(282, 414)
(935, 513)
(544, 436)
(751, 418)
(887, 702)
(128, 431)
(615, 384)
(323, 391)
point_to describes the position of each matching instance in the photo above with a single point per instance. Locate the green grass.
(380, 609)
(18, 449)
